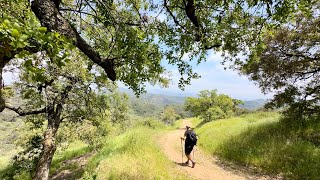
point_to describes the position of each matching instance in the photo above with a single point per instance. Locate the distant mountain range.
(254, 104)
(161, 100)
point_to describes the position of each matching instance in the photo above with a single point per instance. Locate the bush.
(214, 113)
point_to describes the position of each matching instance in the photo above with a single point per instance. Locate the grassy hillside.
(260, 140)
(133, 155)
(10, 126)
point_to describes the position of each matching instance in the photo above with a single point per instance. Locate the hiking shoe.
(193, 164)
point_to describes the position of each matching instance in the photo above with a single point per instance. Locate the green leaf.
(28, 63)
(42, 29)
(15, 33)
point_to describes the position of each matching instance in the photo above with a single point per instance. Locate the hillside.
(152, 104)
(253, 104)
(265, 143)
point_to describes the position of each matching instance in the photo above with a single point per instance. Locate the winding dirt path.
(206, 167)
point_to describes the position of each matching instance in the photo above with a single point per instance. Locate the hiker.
(190, 138)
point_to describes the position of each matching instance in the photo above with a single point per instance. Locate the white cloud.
(212, 56)
(213, 76)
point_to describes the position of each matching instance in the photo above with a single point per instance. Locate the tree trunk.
(3, 62)
(2, 101)
(49, 147)
(43, 167)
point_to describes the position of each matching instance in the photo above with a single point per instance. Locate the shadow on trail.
(181, 164)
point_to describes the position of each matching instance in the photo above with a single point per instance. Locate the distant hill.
(157, 99)
(153, 104)
(254, 104)
(150, 104)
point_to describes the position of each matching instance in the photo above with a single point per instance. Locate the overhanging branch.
(171, 14)
(50, 17)
(22, 112)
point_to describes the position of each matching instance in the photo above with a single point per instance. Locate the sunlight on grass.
(213, 134)
(133, 155)
(259, 139)
(75, 149)
(177, 124)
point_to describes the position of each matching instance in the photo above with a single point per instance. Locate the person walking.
(190, 139)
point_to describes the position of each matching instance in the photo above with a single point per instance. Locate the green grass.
(260, 140)
(176, 124)
(75, 149)
(133, 155)
(9, 132)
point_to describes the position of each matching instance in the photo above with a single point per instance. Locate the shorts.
(188, 148)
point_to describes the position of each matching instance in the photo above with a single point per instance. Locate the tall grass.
(133, 155)
(214, 134)
(75, 149)
(260, 140)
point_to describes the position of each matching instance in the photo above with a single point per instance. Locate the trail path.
(206, 167)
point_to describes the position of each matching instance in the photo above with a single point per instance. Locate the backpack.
(193, 137)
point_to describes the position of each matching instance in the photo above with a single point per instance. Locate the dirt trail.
(206, 167)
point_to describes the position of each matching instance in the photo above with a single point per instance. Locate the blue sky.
(213, 76)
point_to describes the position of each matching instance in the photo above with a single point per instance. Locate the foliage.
(20, 33)
(69, 88)
(169, 115)
(25, 161)
(211, 106)
(128, 33)
(288, 63)
(180, 111)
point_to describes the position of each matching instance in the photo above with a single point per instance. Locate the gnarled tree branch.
(22, 112)
(50, 17)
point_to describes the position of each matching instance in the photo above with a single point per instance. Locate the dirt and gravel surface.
(207, 167)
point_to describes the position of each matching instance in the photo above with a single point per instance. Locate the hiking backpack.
(193, 137)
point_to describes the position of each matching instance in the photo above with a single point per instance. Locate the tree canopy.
(289, 63)
(210, 105)
(128, 39)
(62, 47)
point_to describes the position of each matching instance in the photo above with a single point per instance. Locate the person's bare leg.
(189, 158)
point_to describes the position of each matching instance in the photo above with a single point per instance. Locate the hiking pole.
(181, 150)
(193, 152)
